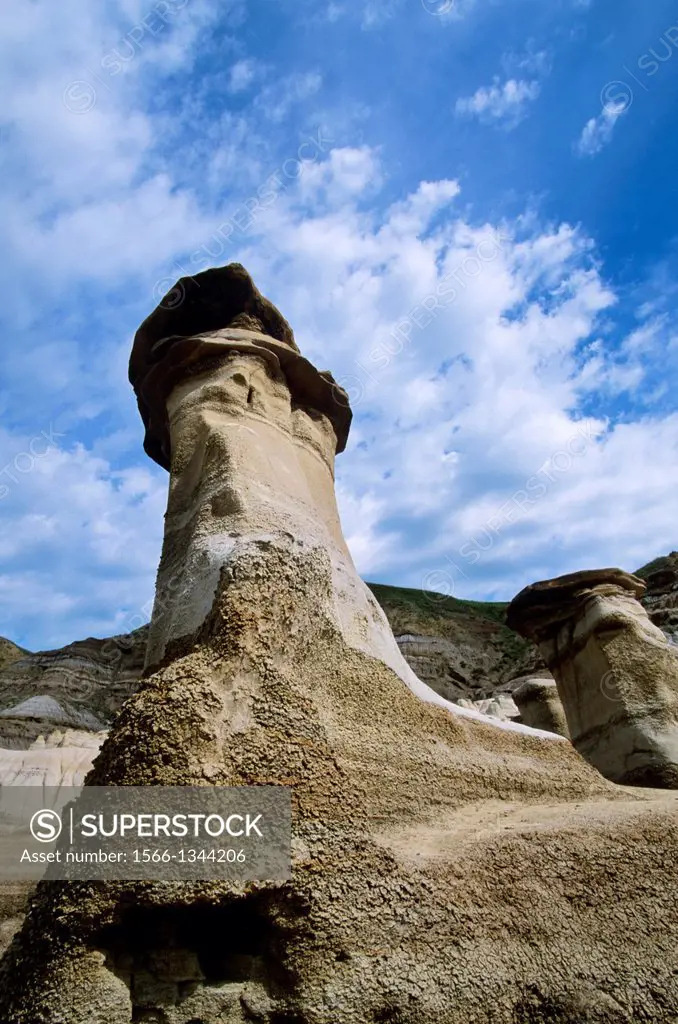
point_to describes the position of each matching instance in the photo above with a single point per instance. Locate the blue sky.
(467, 210)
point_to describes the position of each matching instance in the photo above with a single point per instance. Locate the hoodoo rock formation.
(447, 867)
(616, 672)
(540, 706)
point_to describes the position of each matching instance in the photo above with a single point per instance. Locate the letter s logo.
(46, 826)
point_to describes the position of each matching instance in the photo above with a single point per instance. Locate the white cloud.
(500, 103)
(347, 171)
(241, 75)
(531, 62)
(598, 131)
(472, 374)
(471, 349)
(81, 540)
(276, 100)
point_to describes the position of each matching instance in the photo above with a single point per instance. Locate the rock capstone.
(617, 673)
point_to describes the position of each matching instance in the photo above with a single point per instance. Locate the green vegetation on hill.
(669, 561)
(479, 624)
(428, 603)
(9, 652)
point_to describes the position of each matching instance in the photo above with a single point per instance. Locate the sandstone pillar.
(414, 822)
(249, 430)
(616, 672)
(253, 429)
(540, 705)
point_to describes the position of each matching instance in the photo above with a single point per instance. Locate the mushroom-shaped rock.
(616, 672)
(200, 319)
(413, 820)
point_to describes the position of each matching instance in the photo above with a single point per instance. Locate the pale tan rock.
(501, 706)
(540, 706)
(448, 867)
(54, 758)
(617, 673)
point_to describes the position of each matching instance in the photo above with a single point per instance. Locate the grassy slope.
(421, 612)
(9, 652)
(663, 562)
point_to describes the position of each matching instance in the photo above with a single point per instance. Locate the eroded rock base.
(445, 870)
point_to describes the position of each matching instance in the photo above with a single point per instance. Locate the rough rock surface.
(9, 652)
(539, 705)
(56, 706)
(463, 652)
(661, 599)
(447, 868)
(617, 673)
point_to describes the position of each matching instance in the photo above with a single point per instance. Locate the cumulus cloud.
(482, 358)
(504, 103)
(74, 551)
(478, 349)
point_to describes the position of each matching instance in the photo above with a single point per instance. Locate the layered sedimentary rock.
(455, 669)
(56, 706)
(661, 598)
(462, 649)
(539, 705)
(9, 652)
(446, 867)
(92, 677)
(617, 673)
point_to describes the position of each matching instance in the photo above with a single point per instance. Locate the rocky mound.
(446, 867)
(661, 600)
(9, 652)
(56, 706)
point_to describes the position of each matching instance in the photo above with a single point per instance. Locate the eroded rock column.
(616, 672)
(252, 468)
(414, 860)
(249, 430)
(540, 705)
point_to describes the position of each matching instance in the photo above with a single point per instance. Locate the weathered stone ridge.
(540, 706)
(56, 706)
(661, 599)
(617, 673)
(446, 867)
(90, 676)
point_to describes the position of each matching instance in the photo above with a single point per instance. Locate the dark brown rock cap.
(538, 611)
(220, 299)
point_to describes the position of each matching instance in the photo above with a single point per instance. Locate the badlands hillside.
(9, 652)
(68, 697)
